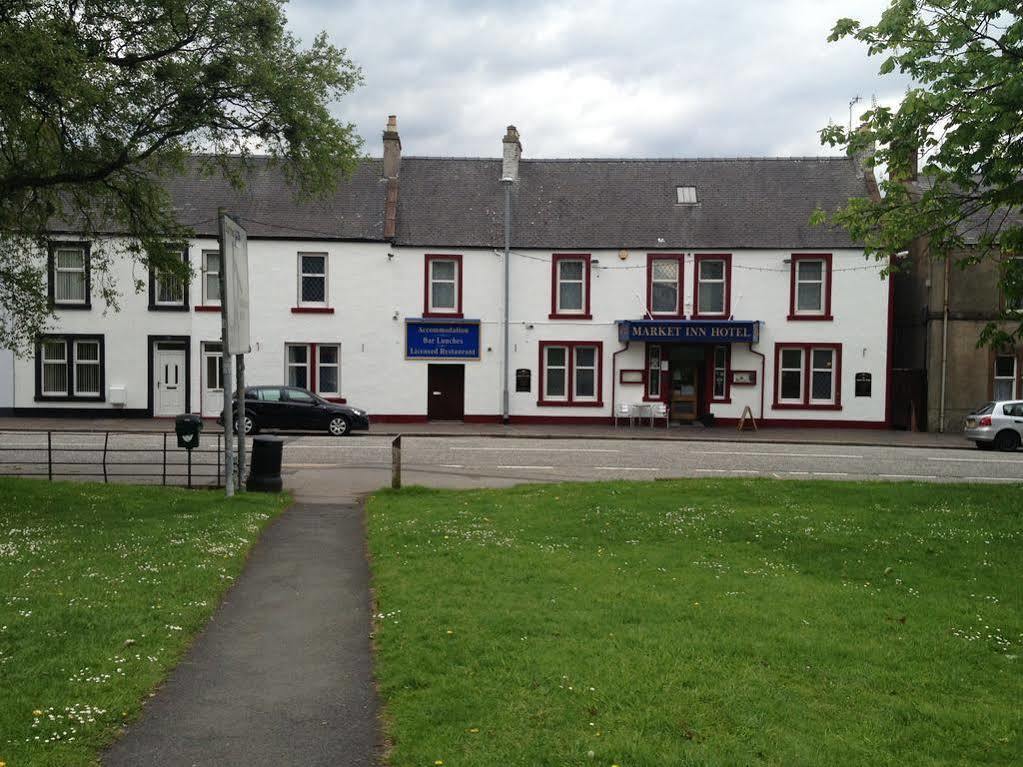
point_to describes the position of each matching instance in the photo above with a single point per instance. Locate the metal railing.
(116, 456)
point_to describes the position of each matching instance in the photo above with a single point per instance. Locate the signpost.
(234, 312)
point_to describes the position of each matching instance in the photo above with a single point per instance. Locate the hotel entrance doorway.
(685, 376)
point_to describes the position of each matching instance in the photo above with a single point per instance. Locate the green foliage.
(964, 114)
(99, 98)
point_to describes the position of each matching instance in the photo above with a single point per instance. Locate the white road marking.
(831, 474)
(311, 465)
(978, 460)
(778, 455)
(545, 468)
(728, 471)
(537, 449)
(623, 468)
(799, 473)
(451, 465)
(991, 479)
(337, 447)
(907, 476)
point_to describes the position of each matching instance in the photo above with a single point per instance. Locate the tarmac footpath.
(283, 672)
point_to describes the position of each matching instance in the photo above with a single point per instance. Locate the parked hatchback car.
(288, 407)
(997, 425)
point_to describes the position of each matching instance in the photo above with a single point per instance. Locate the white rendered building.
(697, 283)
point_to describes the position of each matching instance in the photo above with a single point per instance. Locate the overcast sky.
(687, 78)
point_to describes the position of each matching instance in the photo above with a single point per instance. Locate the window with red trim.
(570, 286)
(664, 277)
(571, 373)
(810, 287)
(653, 373)
(316, 367)
(808, 376)
(712, 286)
(442, 286)
(719, 379)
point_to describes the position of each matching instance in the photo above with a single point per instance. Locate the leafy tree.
(99, 99)
(964, 114)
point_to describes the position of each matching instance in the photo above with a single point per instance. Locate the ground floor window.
(808, 376)
(570, 373)
(722, 360)
(213, 369)
(70, 368)
(1005, 377)
(653, 372)
(314, 366)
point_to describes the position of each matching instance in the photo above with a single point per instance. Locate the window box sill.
(661, 316)
(810, 318)
(721, 401)
(168, 308)
(801, 406)
(68, 398)
(312, 310)
(206, 309)
(559, 403)
(335, 400)
(570, 316)
(710, 316)
(443, 315)
(73, 307)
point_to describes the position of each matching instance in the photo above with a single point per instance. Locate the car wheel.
(250, 426)
(981, 445)
(1007, 441)
(338, 426)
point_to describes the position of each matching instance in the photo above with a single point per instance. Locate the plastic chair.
(660, 410)
(623, 410)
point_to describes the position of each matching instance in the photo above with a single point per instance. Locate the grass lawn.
(731, 622)
(102, 588)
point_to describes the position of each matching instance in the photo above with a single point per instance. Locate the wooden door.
(685, 392)
(445, 393)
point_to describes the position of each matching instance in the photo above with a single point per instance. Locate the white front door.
(212, 386)
(169, 379)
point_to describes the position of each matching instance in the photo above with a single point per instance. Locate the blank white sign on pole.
(236, 286)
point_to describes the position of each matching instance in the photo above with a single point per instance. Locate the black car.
(288, 407)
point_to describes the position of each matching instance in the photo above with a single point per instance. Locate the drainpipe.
(944, 344)
(507, 183)
(763, 383)
(614, 376)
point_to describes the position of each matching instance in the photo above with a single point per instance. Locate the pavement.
(283, 672)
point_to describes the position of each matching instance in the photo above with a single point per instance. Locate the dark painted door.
(446, 393)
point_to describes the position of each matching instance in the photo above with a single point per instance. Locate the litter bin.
(265, 465)
(187, 426)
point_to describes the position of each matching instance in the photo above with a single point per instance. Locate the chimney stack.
(512, 154)
(392, 148)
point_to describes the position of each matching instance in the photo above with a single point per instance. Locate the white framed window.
(444, 285)
(70, 275)
(53, 360)
(312, 279)
(712, 276)
(822, 376)
(810, 286)
(720, 373)
(87, 368)
(555, 378)
(584, 374)
(211, 278)
(297, 364)
(1004, 383)
(665, 279)
(790, 385)
(328, 369)
(571, 283)
(213, 370)
(653, 372)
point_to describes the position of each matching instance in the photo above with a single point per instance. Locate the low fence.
(112, 456)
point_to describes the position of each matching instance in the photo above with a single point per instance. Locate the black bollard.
(265, 465)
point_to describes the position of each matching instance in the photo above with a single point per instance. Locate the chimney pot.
(512, 155)
(392, 148)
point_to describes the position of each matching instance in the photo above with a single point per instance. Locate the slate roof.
(268, 206)
(754, 203)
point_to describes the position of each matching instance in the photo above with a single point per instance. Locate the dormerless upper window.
(810, 297)
(69, 274)
(210, 277)
(69, 367)
(712, 291)
(167, 290)
(312, 279)
(1004, 377)
(665, 289)
(443, 288)
(571, 287)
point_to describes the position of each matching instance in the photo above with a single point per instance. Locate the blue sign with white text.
(690, 331)
(442, 339)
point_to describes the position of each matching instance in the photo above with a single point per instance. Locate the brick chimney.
(512, 154)
(392, 164)
(392, 148)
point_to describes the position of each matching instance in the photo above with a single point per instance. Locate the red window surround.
(587, 281)
(570, 375)
(679, 313)
(727, 258)
(205, 308)
(313, 362)
(662, 374)
(709, 376)
(796, 258)
(308, 309)
(807, 382)
(430, 258)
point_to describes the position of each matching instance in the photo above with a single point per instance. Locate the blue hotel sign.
(442, 339)
(690, 331)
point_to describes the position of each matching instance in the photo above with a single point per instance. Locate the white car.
(997, 425)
